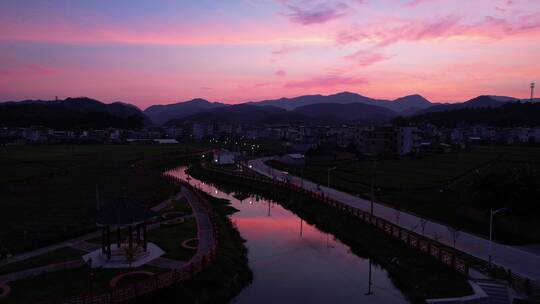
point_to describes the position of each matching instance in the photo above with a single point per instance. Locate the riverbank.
(416, 274)
(224, 278)
(456, 188)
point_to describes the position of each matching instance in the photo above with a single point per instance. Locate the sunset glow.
(148, 51)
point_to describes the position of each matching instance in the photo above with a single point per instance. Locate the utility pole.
(491, 215)
(369, 292)
(97, 197)
(532, 90)
(372, 186)
(330, 169)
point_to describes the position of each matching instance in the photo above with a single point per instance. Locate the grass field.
(223, 279)
(57, 285)
(170, 239)
(433, 186)
(48, 193)
(56, 256)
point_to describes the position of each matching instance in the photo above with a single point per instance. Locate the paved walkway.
(86, 246)
(519, 261)
(205, 233)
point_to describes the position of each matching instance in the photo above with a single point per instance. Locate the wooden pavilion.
(119, 216)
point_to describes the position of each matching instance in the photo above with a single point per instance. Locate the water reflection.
(295, 262)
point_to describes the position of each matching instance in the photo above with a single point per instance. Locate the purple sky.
(152, 51)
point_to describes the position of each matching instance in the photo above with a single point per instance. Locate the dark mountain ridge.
(398, 105)
(161, 114)
(79, 112)
(510, 114)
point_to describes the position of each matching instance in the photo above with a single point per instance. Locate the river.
(294, 262)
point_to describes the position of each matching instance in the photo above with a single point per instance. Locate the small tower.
(532, 90)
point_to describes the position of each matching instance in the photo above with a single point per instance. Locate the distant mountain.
(483, 101)
(323, 113)
(398, 105)
(233, 114)
(503, 98)
(80, 112)
(346, 113)
(161, 114)
(409, 103)
(511, 114)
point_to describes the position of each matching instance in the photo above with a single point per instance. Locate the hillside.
(507, 115)
(345, 113)
(398, 105)
(324, 113)
(234, 114)
(71, 113)
(483, 101)
(161, 114)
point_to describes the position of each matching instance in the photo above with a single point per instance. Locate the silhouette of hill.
(410, 103)
(80, 112)
(326, 113)
(511, 114)
(161, 114)
(345, 113)
(398, 105)
(234, 114)
(483, 101)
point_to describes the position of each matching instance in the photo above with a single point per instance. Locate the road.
(519, 261)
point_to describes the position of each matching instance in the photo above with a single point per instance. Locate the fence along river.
(295, 262)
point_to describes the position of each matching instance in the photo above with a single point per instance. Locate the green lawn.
(170, 239)
(56, 256)
(221, 281)
(61, 284)
(433, 186)
(48, 192)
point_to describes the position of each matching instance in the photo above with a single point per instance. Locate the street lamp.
(330, 169)
(491, 215)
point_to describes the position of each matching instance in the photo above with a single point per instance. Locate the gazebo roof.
(123, 213)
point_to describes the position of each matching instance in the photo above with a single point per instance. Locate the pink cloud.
(280, 73)
(331, 81)
(286, 50)
(489, 27)
(306, 12)
(415, 2)
(25, 70)
(366, 58)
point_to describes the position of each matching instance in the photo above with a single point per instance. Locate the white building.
(528, 135)
(407, 140)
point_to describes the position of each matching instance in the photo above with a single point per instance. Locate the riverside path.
(519, 261)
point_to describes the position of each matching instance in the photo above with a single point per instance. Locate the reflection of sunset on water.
(293, 261)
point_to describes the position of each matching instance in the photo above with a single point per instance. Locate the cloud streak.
(306, 12)
(448, 27)
(331, 81)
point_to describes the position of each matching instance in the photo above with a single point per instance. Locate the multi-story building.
(375, 140)
(408, 139)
